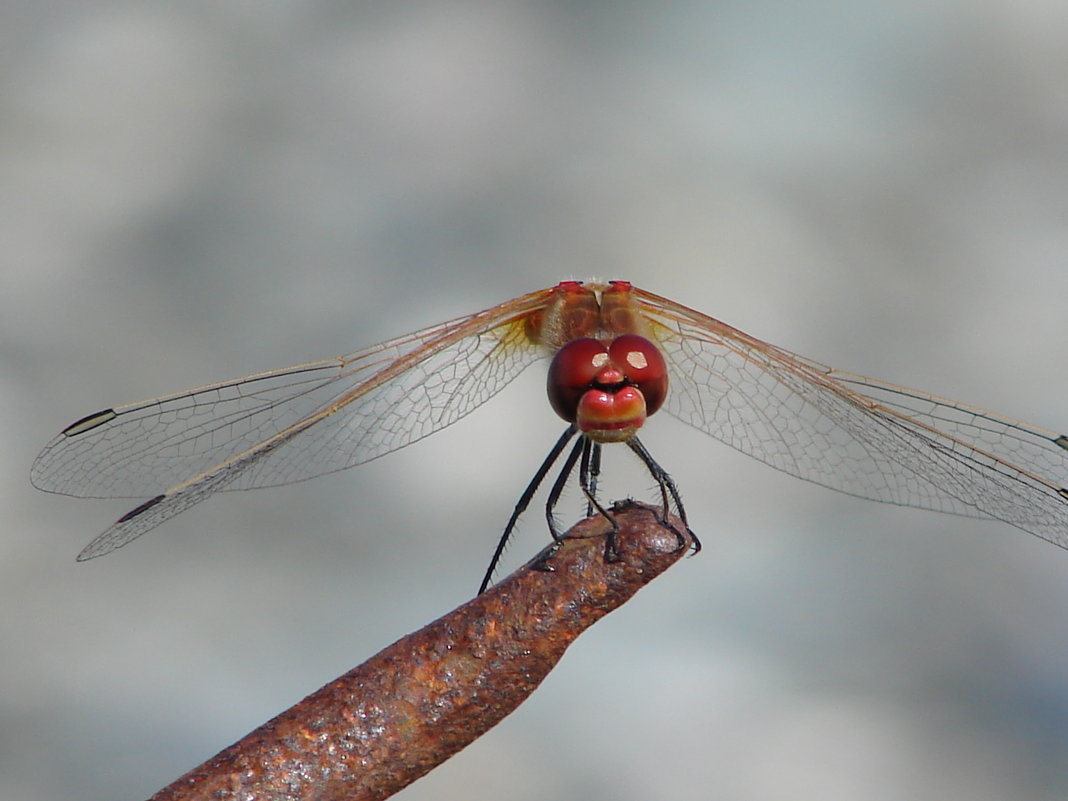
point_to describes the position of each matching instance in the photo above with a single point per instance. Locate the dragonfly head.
(608, 389)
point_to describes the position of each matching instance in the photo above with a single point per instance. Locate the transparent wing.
(286, 425)
(859, 435)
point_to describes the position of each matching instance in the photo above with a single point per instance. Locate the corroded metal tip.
(410, 707)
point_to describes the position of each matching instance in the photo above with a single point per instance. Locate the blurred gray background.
(192, 191)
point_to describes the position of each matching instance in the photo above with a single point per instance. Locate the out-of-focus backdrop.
(191, 191)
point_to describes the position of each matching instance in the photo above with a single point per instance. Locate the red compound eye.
(608, 391)
(573, 372)
(644, 367)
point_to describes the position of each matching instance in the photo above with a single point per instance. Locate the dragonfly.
(617, 354)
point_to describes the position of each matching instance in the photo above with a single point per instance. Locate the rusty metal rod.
(382, 725)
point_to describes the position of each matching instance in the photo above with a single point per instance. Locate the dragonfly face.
(610, 389)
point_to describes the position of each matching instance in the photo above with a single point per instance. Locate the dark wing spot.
(142, 508)
(89, 422)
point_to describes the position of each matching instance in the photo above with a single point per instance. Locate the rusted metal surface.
(410, 707)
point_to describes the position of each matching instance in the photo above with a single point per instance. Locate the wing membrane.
(858, 435)
(145, 447)
(242, 434)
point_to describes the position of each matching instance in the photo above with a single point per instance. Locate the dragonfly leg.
(667, 488)
(581, 448)
(524, 502)
(550, 505)
(594, 473)
(588, 470)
